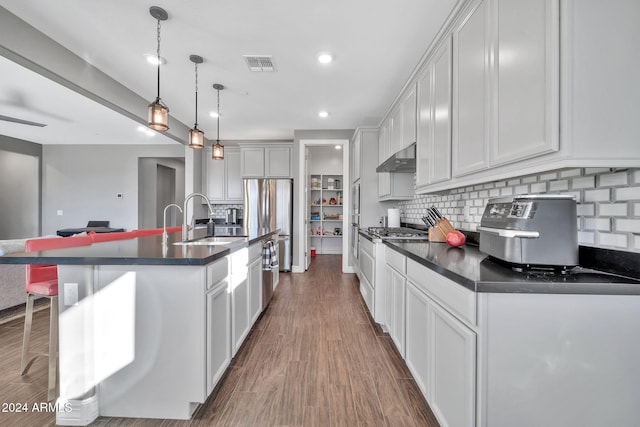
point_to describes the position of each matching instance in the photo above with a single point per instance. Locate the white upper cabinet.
(433, 150)
(525, 79)
(266, 161)
(408, 118)
(356, 161)
(471, 93)
(221, 178)
(505, 83)
(395, 132)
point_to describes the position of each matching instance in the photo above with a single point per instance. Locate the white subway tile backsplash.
(613, 240)
(608, 203)
(569, 173)
(613, 179)
(597, 195)
(586, 237)
(559, 185)
(612, 209)
(591, 171)
(583, 209)
(628, 193)
(540, 187)
(584, 182)
(548, 176)
(600, 224)
(521, 189)
(630, 225)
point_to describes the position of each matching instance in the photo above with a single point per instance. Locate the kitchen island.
(490, 345)
(147, 330)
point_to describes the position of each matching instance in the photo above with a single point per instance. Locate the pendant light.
(196, 136)
(218, 149)
(158, 111)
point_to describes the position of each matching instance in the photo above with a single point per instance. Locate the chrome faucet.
(185, 229)
(164, 221)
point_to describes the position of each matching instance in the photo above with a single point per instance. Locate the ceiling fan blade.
(22, 122)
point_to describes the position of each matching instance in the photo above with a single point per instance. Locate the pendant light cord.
(158, 59)
(218, 138)
(196, 120)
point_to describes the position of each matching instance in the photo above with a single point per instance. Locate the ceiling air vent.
(260, 63)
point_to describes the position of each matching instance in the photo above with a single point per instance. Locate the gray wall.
(82, 182)
(19, 188)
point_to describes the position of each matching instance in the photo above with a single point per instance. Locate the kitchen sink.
(213, 241)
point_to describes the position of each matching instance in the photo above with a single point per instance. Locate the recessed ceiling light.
(146, 130)
(325, 57)
(338, 147)
(213, 114)
(153, 59)
(323, 114)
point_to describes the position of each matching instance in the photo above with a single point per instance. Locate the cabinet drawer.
(367, 266)
(455, 298)
(255, 251)
(217, 272)
(367, 293)
(366, 245)
(395, 260)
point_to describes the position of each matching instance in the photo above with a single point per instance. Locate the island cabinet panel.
(240, 299)
(255, 281)
(148, 328)
(218, 330)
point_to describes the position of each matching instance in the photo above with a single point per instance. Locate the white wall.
(83, 181)
(325, 160)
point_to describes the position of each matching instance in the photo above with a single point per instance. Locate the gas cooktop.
(398, 233)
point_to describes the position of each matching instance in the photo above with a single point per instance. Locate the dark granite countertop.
(139, 251)
(474, 270)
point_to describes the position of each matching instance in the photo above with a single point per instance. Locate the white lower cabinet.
(240, 316)
(255, 281)
(396, 315)
(367, 270)
(218, 332)
(417, 332)
(452, 369)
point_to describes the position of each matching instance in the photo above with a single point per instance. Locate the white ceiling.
(376, 44)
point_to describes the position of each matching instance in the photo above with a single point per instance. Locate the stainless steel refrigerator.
(268, 204)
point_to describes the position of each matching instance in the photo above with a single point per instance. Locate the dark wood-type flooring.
(314, 358)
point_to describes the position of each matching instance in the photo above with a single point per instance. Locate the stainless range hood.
(401, 162)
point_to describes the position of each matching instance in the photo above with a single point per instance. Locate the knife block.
(435, 235)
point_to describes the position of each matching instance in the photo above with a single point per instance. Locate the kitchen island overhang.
(137, 326)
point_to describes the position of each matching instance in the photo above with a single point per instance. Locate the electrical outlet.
(70, 294)
(119, 195)
(467, 215)
(59, 212)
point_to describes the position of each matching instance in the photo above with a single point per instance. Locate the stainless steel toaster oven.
(538, 230)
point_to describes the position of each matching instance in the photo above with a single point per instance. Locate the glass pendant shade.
(218, 151)
(158, 116)
(196, 138)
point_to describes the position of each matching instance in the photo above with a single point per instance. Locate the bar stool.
(42, 280)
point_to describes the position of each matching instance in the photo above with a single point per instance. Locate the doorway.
(306, 195)
(165, 194)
